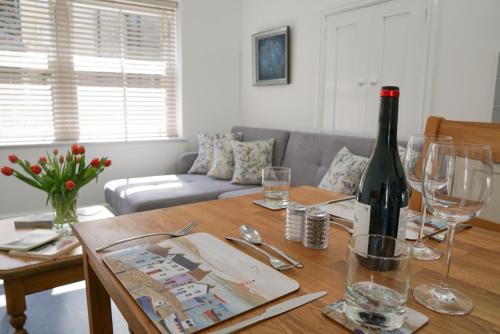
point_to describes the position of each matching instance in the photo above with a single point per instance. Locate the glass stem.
(422, 224)
(450, 238)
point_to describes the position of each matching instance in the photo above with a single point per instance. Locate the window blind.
(87, 70)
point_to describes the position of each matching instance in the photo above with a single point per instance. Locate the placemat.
(335, 311)
(190, 283)
(270, 205)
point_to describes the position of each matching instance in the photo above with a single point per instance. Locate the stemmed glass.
(416, 152)
(457, 186)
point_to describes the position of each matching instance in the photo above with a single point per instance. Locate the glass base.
(448, 301)
(424, 253)
(64, 229)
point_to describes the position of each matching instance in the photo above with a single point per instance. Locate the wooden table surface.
(475, 267)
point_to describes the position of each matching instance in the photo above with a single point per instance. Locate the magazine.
(30, 240)
(51, 250)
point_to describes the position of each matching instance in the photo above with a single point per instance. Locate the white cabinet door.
(365, 49)
(345, 71)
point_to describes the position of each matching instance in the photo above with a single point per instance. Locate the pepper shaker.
(316, 229)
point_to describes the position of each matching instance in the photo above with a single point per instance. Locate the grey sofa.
(309, 155)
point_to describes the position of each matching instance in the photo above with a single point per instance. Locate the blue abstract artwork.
(272, 58)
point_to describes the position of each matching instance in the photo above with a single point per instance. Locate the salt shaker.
(316, 228)
(294, 222)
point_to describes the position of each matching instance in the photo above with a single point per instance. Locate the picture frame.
(271, 57)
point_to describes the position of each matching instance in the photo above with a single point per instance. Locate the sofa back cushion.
(309, 155)
(280, 139)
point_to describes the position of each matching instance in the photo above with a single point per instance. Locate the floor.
(60, 310)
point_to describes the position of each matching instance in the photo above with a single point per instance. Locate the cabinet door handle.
(361, 82)
(373, 81)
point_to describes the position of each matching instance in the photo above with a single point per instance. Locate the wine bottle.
(381, 205)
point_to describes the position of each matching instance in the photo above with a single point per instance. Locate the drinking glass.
(414, 159)
(276, 185)
(377, 281)
(457, 186)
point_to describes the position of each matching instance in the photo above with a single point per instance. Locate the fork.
(183, 231)
(276, 263)
(440, 235)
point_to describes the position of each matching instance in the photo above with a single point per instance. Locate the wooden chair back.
(466, 132)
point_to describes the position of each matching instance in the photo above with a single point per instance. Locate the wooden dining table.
(475, 269)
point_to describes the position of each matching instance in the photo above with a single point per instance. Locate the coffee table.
(23, 276)
(476, 268)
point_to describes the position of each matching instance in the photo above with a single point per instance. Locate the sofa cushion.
(309, 155)
(223, 165)
(280, 139)
(147, 193)
(344, 173)
(205, 156)
(249, 160)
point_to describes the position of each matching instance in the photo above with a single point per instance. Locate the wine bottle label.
(403, 217)
(361, 224)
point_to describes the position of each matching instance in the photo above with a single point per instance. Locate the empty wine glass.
(457, 186)
(414, 160)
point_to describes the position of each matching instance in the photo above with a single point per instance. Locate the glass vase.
(64, 214)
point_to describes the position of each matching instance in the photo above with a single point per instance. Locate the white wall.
(466, 59)
(290, 106)
(211, 65)
(467, 46)
(210, 43)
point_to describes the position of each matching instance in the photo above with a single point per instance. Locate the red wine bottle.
(382, 200)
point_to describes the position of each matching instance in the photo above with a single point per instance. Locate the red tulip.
(74, 149)
(13, 158)
(95, 163)
(107, 163)
(70, 185)
(42, 160)
(81, 150)
(36, 169)
(7, 171)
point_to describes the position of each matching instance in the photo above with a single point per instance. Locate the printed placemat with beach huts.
(190, 283)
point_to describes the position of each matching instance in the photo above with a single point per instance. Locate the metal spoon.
(251, 235)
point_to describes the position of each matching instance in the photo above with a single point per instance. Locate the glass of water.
(377, 281)
(276, 185)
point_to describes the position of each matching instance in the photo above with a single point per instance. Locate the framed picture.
(271, 57)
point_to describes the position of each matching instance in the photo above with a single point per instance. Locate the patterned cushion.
(344, 173)
(205, 156)
(223, 165)
(250, 158)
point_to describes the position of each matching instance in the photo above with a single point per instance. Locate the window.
(87, 70)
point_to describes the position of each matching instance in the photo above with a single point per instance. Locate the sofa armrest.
(184, 162)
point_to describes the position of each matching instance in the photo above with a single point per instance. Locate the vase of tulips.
(61, 177)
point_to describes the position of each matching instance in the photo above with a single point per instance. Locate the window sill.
(91, 142)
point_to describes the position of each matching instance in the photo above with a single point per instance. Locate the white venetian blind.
(87, 70)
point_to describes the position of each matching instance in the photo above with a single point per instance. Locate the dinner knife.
(271, 312)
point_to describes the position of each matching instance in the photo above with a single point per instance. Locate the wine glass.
(416, 152)
(457, 186)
